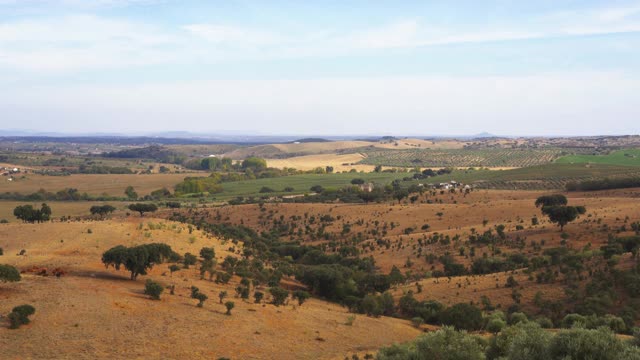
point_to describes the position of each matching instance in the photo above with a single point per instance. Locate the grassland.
(460, 157)
(627, 157)
(93, 184)
(550, 176)
(60, 208)
(300, 183)
(95, 313)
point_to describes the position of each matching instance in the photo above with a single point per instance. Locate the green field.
(460, 157)
(300, 183)
(550, 176)
(628, 157)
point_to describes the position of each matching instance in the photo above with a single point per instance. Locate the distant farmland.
(461, 157)
(300, 183)
(628, 157)
(550, 176)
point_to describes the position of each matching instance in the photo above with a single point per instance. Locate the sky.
(374, 67)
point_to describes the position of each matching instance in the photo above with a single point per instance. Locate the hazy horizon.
(549, 68)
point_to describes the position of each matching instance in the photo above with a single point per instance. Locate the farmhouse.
(368, 187)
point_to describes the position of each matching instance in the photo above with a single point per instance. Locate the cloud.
(86, 42)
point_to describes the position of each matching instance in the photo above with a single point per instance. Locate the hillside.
(90, 312)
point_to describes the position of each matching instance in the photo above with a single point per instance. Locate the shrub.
(201, 298)
(9, 274)
(258, 295)
(444, 344)
(417, 321)
(462, 316)
(301, 296)
(495, 325)
(279, 294)
(153, 289)
(20, 315)
(229, 305)
(518, 317)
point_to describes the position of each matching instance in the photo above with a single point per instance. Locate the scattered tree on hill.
(153, 289)
(189, 259)
(551, 200)
(102, 210)
(301, 296)
(562, 215)
(9, 274)
(254, 163)
(20, 315)
(279, 295)
(28, 213)
(462, 316)
(143, 208)
(173, 268)
(229, 305)
(196, 294)
(207, 253)
(258, 295)
(131, 193)
(137, 259)
(222, 295)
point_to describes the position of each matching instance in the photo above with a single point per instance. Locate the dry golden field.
(340, 162)
(93, 312)
(60, 208)
(94, 184)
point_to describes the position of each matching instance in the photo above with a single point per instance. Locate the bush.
(20, 315)
(153, 289)
(301, 296)
(518, 317)
(444, 344)
(578, 343)
(279, 294)
(9, 274)
(495, 325)
(462, 316)
(229, 305)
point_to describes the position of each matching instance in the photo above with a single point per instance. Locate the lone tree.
(20, 315)
(551, 200)
(301, 296)
(562, 215)
(279, 294)
(137, 259)
(196, 294)
(229, 305)
(207, 253)
(9, 274)
(222, 295)
(102, 210)
(130, 192)
(153, 289)
(143, 208)
(173, 268)
(258, 295)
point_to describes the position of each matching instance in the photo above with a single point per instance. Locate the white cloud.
(81, 42)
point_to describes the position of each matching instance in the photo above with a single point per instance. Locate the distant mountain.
(310, 140)
(484, 135)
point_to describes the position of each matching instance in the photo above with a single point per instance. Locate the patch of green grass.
(627, 157)
(460, 157)
(551, 176)
(301, 183)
